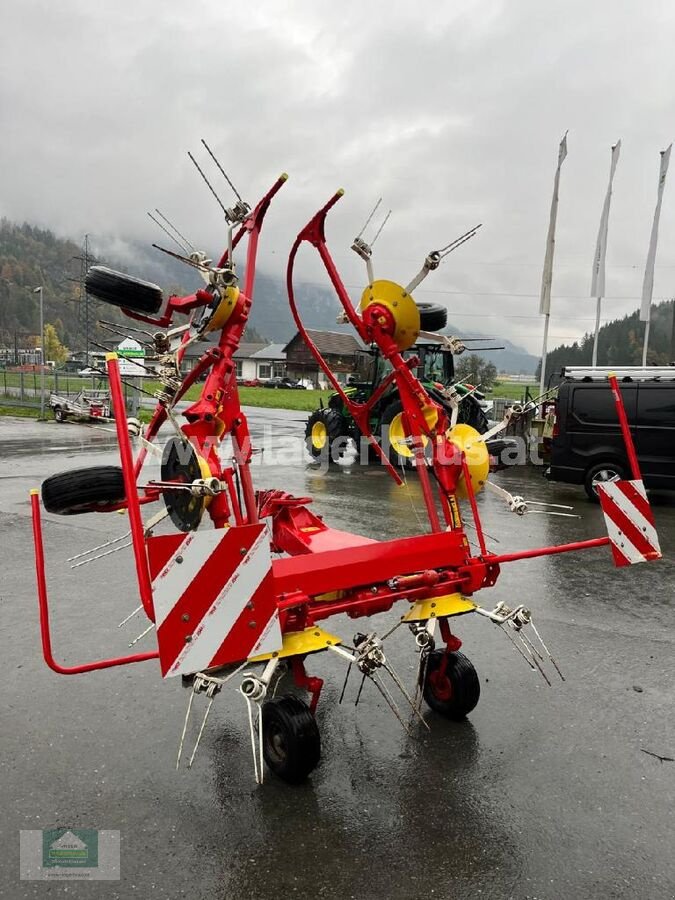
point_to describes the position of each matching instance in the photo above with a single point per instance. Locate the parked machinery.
(248, 598)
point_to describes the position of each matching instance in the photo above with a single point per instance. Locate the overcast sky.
(451, 111)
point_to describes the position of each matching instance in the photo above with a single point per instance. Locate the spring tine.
(185, 725)
(173, 228)
(344, 684)
(535, 660)
(421, 677)
(252, 732)
(166, 231)
(528, 643)
(142, 634)
(100, 547)
(223, 172)
(389, 700)
(130, 616)
(458, 241)
(208, 184)
(188, 262)
(358, 696)
(201, 730)
(391, 630)
(399, 685)
(260, 738)
(380, 229)
(368, 220)
(516, 645)
(547, 651)
(101, 555)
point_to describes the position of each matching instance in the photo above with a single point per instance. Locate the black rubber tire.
(462, 692)
(433, 316)
(471, 413)
(607, 467)
(83, 490)
(291, 739)
(59, 414)
(332, 420)
(123, 290)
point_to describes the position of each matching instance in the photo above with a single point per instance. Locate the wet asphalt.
(544, 792)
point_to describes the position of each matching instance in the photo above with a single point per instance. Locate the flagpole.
(648, 282)
(542, 374)
(598, 276)
(594, 361)
(547, 274)
(645, 344)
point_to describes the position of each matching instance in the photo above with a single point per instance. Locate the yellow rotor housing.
(471, 443)
(401, 306)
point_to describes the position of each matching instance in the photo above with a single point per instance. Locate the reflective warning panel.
(213, 598)
(629, 521)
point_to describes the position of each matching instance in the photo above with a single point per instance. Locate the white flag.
(547, 275)
(598, 277)
(648, 283)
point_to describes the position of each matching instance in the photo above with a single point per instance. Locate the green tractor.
(332, 426)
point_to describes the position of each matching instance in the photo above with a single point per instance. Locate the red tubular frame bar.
(413, 395)
(133, 505)
(625, 427)
(44, 610)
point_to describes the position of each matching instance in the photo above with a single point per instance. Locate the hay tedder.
(243, 581)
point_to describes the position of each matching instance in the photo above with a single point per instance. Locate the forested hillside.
(31, 256)
(620, 343)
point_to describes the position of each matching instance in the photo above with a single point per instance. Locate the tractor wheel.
(393, 438)
(452, 693)
(59, 414)
(470, 413)
(324, 427)
(123, 290)
(83, 490)
(291, 740)
(433, 316)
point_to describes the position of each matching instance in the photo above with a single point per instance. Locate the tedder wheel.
(433, 316)
(59, 414)
(291, 740)
(123, 290)
(83, 490)
(452, 693)
(601, 474)
(323, 429)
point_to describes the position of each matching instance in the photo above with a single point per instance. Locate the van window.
(657, 406)
(594, 404)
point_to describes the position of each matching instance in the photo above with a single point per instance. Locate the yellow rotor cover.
(400, 304)
(467, 439)
(224, 309)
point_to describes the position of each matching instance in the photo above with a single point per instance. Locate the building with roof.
(253, 361)
(340, 349)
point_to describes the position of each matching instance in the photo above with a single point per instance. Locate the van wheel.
(601, 473)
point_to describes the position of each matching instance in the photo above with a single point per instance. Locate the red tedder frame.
(325, 571)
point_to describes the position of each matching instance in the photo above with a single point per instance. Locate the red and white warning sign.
(629, 521)
(213, 598)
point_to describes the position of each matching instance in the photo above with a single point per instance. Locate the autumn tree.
(54, 349)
